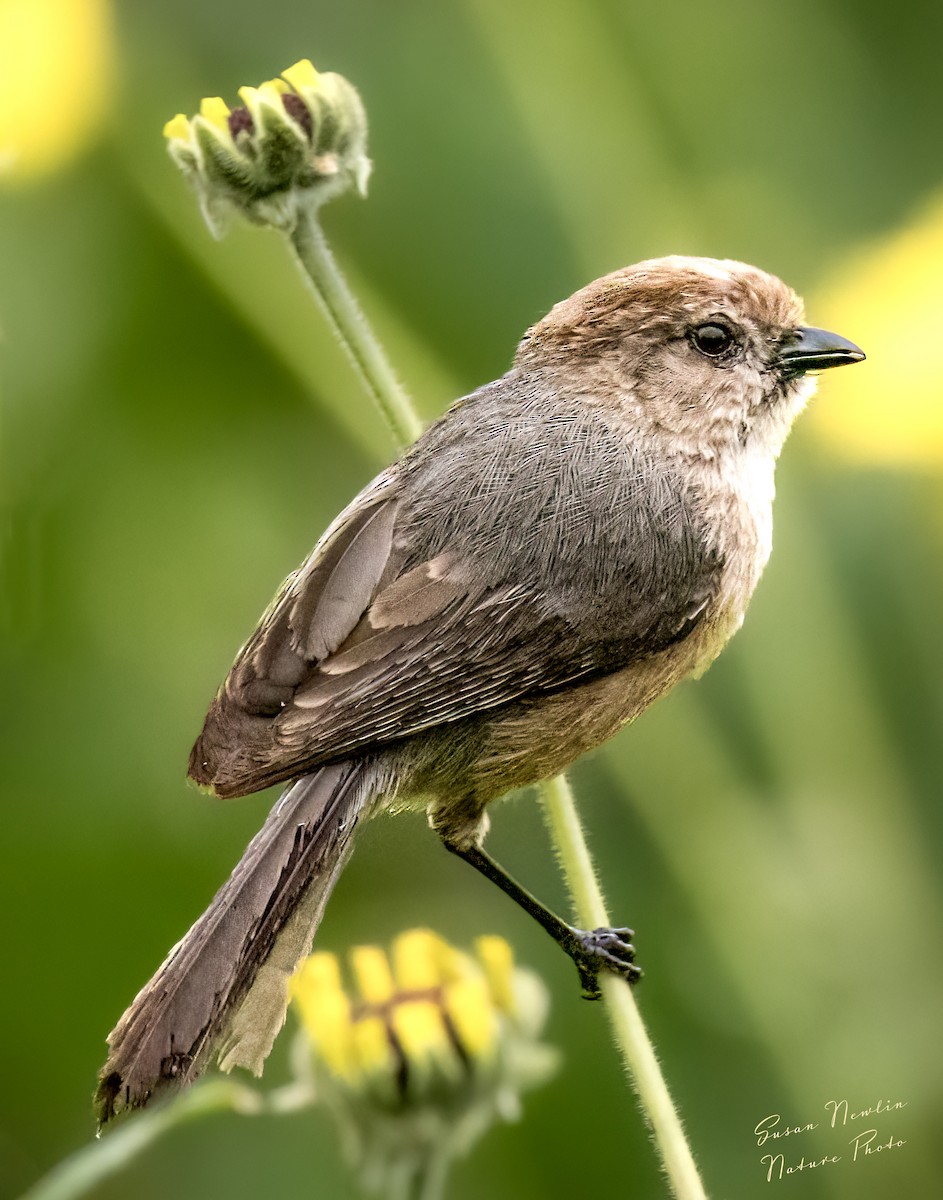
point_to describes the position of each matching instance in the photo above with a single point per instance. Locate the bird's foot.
(602, 950)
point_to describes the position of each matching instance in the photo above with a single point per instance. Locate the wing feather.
(341, 584)
(423, 606)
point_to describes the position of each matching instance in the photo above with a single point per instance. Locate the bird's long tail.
(223, 989)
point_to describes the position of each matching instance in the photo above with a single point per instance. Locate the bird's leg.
(592, 951)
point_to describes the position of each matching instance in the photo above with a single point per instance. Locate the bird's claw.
(603, 950)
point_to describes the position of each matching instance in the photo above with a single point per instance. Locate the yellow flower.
(295, 141)
(56, 67)
(428, 1049)
(888, 300)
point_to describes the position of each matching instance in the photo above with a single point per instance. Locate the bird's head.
(705, 354)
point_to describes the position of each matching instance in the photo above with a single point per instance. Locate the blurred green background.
(178, 428)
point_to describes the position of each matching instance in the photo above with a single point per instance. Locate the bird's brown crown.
(657, 295)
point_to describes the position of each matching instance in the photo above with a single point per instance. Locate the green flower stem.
(319, 268)
(99, 1160)
(627, 1026)
(317, 262)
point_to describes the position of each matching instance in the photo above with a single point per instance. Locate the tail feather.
(223, 987)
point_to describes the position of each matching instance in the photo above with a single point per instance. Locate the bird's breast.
(737, 496)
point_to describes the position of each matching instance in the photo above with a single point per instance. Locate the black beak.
(808, 349)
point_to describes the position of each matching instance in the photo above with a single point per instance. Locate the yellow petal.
(215, 110)
(301, 75)
(56, 80)
(319, 972)
(497, 958)
(455, 965)
(372, 1050)
(177, 128)
(270, 94)
(325, 1012)
(249, 97)
(469, 1007)
(279, 85)
(371, 969)
(416, 957)
(421, 1033)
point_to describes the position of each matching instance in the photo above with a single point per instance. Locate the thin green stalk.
(431, 1184)
(628, 1029)
(322, 271)
(100, 1160)
(319, 268)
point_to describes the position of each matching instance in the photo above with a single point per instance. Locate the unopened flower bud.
(424, 1053)
(293, 142)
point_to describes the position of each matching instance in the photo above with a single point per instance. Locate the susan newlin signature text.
(839, 1113)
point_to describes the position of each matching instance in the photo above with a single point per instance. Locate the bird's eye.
(712, 339)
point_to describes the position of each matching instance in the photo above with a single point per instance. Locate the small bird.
(551, 556)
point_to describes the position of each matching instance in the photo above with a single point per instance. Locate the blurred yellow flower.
(889, 301)
(56, 74)
(428, 1049)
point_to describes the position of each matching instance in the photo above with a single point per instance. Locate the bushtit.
(550, 557)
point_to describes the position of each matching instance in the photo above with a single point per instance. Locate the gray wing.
(518, 549)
